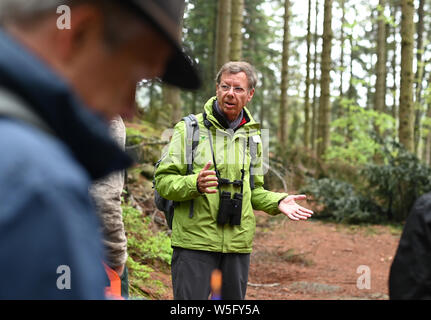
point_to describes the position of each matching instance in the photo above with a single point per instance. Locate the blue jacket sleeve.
(50, 244)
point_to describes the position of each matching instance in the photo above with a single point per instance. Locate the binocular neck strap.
(212, 153)
(208, 124)
(243, 164)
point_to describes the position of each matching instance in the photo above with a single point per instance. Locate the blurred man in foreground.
(58, 86)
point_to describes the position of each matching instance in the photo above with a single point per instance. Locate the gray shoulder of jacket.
(15, 107)
(118, 131)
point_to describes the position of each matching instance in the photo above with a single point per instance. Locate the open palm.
(293, 210)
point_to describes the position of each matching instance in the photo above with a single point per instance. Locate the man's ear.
(86, 27)
(250, 95)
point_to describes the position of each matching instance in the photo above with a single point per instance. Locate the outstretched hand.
(293, 210)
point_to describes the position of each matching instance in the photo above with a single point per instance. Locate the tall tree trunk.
(380, 93)
(171, 97)
(283, 119)
(406, 110)
(395, 8)
(237, 18)
(307, 82)
(263, 106)
(367, 79)
(427, 148)
(380, 86)
(324, 107)
(223, 32)
(315, 80)
(213, 57)
(419, 77)
(343, 21)
(351, 91)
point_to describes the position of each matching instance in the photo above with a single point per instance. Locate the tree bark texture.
(223, 32)
(236, 30)
(380, 93)
(419, 77)
(283, 111)
(324, 106)
(406, 110)
(307, 82)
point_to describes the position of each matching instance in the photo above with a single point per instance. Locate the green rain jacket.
(201, 231)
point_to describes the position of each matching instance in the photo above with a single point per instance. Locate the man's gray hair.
(234, 67)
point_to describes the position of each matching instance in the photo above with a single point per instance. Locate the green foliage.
(358, 125)
(386, 192)
(145, 247)
(144, 141)
(340, 201)
(139, 271)
(142, 242)
(398, 182)
(155, 247)
(134, 136)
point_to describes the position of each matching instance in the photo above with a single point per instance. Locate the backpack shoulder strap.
(192, 139)
(253, 156)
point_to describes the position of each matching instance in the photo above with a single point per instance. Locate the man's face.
(233, 94)
(106, 77)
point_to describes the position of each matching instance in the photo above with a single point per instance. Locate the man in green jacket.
(217, 232)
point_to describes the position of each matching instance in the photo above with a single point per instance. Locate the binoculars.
(230, 209)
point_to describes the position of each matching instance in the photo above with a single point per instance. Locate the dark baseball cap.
(166, 16)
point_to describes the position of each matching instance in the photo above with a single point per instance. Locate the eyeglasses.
(237, 90)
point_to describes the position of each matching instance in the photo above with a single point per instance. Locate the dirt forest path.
(315, 260)
(318, 260)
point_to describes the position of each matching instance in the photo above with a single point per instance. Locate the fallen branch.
(263, 284)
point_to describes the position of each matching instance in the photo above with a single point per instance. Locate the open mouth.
(229, 104)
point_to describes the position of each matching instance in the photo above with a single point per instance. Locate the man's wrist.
(197, 187)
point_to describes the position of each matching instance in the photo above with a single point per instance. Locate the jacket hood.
(51, 98)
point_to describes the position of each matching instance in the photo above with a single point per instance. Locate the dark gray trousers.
(192, 269)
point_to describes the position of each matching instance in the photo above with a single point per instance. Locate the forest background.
(343, 90)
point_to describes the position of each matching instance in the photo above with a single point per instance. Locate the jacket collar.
(50, 97)
(219, 121)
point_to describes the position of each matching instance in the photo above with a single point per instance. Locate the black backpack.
(192, 132)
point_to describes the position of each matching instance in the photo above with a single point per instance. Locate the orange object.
(216, 282)
(114, 290)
